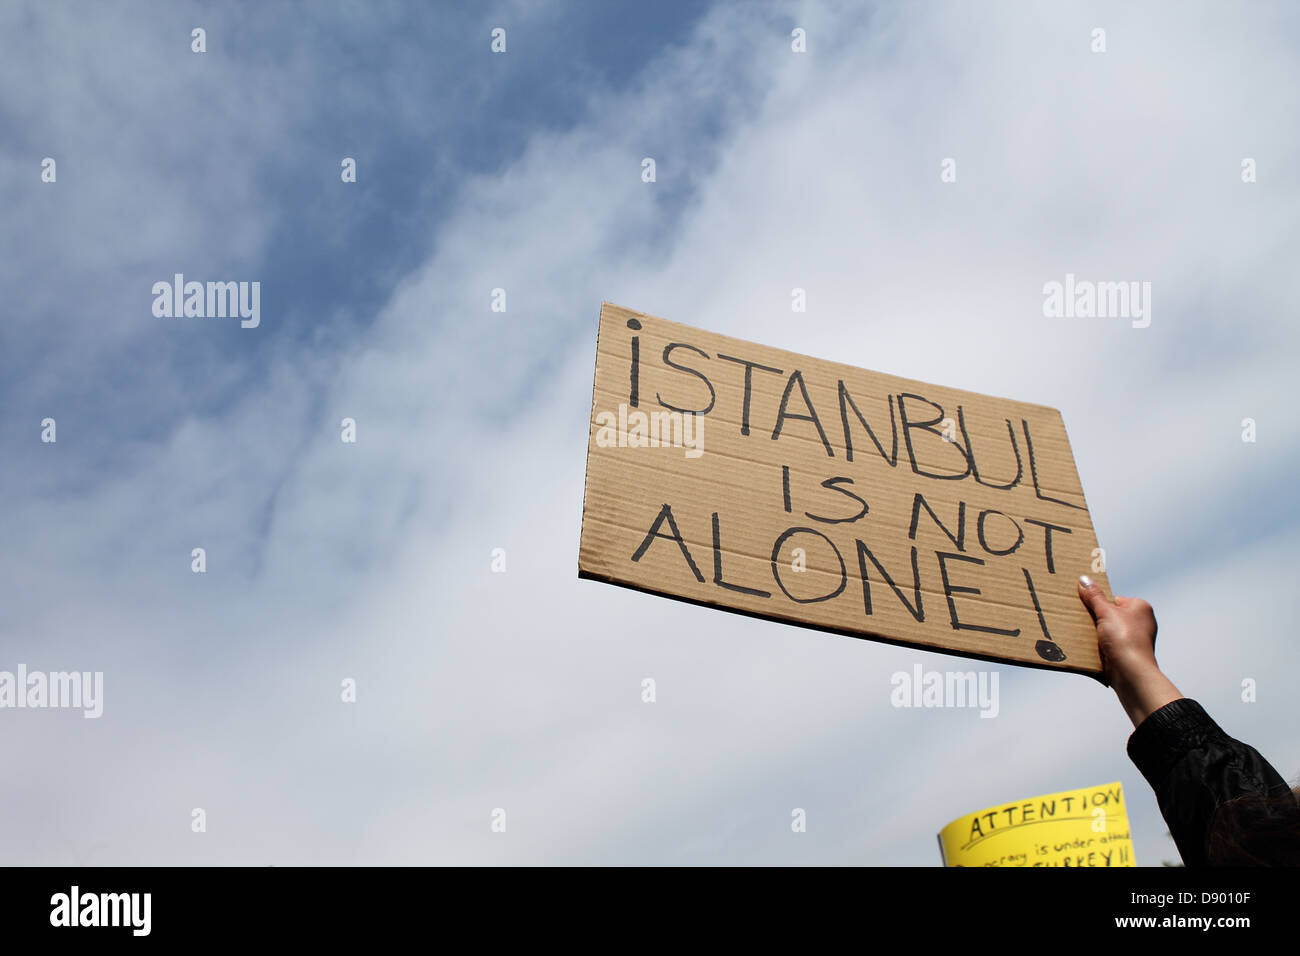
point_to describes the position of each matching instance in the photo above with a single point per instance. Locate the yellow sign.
(1074, 828)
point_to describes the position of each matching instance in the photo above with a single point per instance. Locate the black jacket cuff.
(1168, 733)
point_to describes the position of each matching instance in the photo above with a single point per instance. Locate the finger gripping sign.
(769, 483)
(1087, 827)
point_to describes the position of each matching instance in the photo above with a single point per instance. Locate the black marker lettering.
(1033, 471)
(984, 541)
(1047, 648)
(1048, 528)
(666, 514)
(713, 395)
(717, 566)
(833, 484)
(776, 571)
(633, 394)
(916, 610)
(958, 540)
(1020, 467)
(749, 381)
(782, 415)
(846, 402)
(928, 426)
(949, 589)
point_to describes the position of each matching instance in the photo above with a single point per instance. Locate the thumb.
(1094, 599)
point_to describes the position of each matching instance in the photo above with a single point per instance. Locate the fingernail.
(1085, 581)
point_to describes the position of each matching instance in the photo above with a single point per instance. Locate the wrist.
(1143, 689)
(1131, 667)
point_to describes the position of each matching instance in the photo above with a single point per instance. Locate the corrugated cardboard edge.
(586, 468)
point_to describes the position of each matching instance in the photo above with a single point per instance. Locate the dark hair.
(1256, 830)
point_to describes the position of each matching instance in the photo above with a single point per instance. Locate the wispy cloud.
(372, 561)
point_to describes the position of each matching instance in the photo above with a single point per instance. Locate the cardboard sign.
(1074, 828)
(769, 483)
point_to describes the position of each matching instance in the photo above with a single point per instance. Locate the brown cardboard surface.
(718, 511)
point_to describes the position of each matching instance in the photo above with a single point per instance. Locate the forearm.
(1142, 688)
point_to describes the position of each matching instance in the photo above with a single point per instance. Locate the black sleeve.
(1194, 767)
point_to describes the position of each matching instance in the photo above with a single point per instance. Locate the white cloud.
(522, 690)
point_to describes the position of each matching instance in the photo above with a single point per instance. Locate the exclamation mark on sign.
(1047, 648)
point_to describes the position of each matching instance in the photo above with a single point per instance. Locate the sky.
(371, 562)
